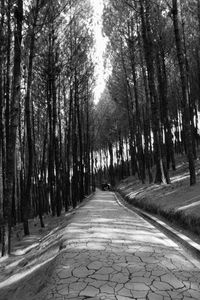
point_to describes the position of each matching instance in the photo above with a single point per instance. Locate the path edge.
(190, 246)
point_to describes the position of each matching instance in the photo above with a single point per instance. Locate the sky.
(101, 73)
(102, 69)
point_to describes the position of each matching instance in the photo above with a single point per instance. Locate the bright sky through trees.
(101, 69)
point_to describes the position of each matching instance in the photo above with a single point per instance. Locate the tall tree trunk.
(58, 180)
(111, 168)
(198, 50)
(28, 127)
(165, 112)
(87, 150)
(140, 154)
(14, 111)
(187, 70)
(147, 150)
(185, 95)
(149, 50)
(75, 183)
(81, 170)
(146, 116)
(7, 88)
(55, 145)
(51, 158)
(92, 170)
(121, 154)
(51, 114)
(131, 119)
(1, 130)
(68, 147)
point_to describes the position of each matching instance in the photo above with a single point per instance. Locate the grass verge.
(177, 202)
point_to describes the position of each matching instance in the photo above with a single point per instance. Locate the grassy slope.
(177, 202)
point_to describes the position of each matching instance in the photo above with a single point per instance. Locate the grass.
(178, 202)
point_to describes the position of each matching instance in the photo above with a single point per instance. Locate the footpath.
(108, 252)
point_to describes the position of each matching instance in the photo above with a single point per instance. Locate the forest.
(56, 144)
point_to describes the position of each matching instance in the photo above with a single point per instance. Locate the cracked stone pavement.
(112, 253)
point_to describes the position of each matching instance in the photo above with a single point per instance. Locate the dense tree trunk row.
(154, 41)
(45, 112)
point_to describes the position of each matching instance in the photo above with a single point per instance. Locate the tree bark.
(68, 146)
(7, 87)
(149, 50)
(111, 168)
(131, 119)
(81, 170)
(185, 95)
(28, 126)
(87, 150)
(75, 183)
(14, 111)
(2, 224)
(140, 153)
(146, 117)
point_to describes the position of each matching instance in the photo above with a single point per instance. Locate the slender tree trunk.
(51, 115)
(164, 114)
(147, 150)
(140, 154)
(51, 157)
(187, 74)
(92, 170)
(55, 145)
(198, 50)
(75, 183)
(166, 121)
(185, 95)
(62, 170)
(1, 163)
(58, 180)
(14, 111)
(2, 224)
(87, 151)
(68, 188)
(81, 171)
(146, 117)
(149, 50)
(7, 87)
(131, 119)
(121, 153)
(111, 169)
(28, 126)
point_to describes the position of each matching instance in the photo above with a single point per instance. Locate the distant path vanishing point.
(112, 253)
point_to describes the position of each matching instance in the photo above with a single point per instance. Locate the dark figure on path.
(105, 186)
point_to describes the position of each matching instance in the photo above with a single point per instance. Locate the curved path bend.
(110, 253)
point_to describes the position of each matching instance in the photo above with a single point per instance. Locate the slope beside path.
(177, 203)
(109, 252)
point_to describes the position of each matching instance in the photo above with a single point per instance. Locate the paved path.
(111, 253)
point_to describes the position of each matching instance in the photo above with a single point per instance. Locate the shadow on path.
(111, 253)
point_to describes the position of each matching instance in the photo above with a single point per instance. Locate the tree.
(51, 89)
(1, 127)
(14, 114)
(185, 94)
